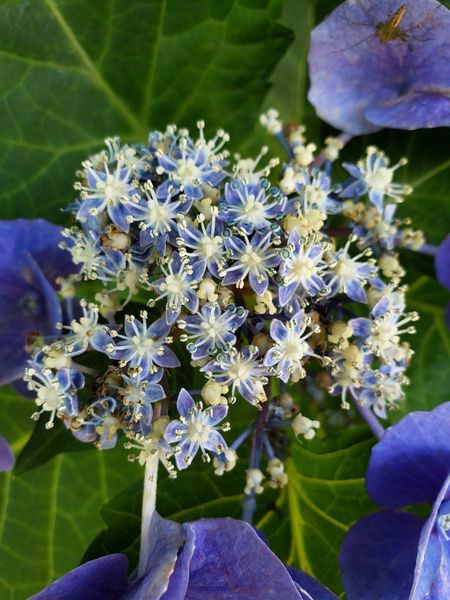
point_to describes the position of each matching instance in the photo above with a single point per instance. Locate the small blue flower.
(178, 286)
(137, 397)
(381, 333)
(376, 64)
(196, 430)
(212, 329)
(348, 275)
(55, 393)
(251, 206)
(291, 348)
(254, 258)
(143, 347)
(84, 332)
(102, 423)
(31, 262)
(302, 271)
(157, 217)
(110, 192)
(315, 192)
(242, 371)
(409, 465)
(374, 176)
(191, 165)
(204, 245)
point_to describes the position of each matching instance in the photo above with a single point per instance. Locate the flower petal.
(411, 461)
(104, 578)
(378, 555)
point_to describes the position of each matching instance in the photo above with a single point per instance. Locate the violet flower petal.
(378, 555)
(412, 460)
(6, 455)
(231, 561)
(442, 263)
(104, 578)
(360, 83)
(166, 538)
(432, 572)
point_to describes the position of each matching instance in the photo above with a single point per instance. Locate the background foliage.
(74, 72)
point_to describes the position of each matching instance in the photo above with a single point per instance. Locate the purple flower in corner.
(30, 264)
(442, 266)
(394, 555)
(215, 559)
(382, 63)
(6, 455)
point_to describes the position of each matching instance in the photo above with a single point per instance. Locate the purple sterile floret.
(412, 460)
(442, 263)
(378, 556)
(394, 555)
(104, 578)
(6, 455)
(205, 559)
(30, 263)
(382, 63)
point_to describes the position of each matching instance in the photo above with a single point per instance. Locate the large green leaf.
(75, 71)
(325, 495)
(51, 514)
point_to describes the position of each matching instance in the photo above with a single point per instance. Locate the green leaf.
(44, 444)
(325, 495)
(76, 71)
(50, 515)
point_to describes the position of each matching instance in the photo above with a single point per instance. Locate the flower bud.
(304, 426)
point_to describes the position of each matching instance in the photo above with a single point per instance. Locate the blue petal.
(165, 540)
(28, 305)
(309, 587)
(185, 403)
(409, 79)
(230, 561)
(378, 555)
(411, 461)
(356, 292)
(278, 330)
(102, 579)
(432, 573)
(361, 326)
(415, 110)
(442, 262)
(6, 455)
(167, 358)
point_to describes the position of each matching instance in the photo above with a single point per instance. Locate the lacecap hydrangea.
(267, 274)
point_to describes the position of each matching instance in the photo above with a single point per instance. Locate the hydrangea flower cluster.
(266, 277)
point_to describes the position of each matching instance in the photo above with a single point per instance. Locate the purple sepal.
(378, 555)
(412, 460)
(362, 81)
(442, 263)
(104, 578)
(231, 561)
(432, 573)
(309, 588)
(165, 540)
(6, 455)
